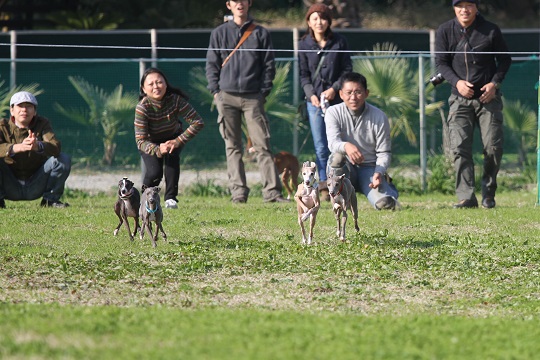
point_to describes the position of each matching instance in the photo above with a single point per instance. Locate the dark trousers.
(155, 167)
(465, 115)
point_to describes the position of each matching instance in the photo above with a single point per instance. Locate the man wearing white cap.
(31, 164)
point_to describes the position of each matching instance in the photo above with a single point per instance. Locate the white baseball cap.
(22, 97)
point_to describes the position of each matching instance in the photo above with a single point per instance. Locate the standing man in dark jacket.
(240, 81)
(472, 56)
(31, 164)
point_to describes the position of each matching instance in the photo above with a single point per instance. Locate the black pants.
(154, 172)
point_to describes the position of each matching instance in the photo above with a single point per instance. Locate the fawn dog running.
(307, 200)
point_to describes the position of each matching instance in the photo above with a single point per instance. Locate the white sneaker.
(171, 204)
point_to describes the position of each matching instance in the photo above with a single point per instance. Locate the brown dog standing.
(288, 166)
(307, 200)
(343, 198)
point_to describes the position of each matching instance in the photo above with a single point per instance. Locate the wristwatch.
(497, 85)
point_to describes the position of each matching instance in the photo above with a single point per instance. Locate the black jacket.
(247, 71)
(481, 53)
(335, 64)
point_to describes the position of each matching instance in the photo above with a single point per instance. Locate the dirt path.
(106, 182)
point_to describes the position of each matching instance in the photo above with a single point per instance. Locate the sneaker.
(239, 200)
(55, 204)
(488, 203)
(466, 204)
(171, 204)
(2, 204)
(386, 203)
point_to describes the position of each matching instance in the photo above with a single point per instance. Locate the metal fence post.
(296, 87)
(422, 106)
(538, 148)
(13, 65)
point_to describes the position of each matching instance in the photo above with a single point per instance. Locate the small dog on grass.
(343, 198)
(307, 200)
(151, 211)
(127, 205)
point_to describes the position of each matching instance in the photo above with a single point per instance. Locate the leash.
(150, 210)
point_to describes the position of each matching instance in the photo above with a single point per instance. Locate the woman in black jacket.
(320, 69)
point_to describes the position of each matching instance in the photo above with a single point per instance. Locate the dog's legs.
(344, 216)
(285, 179)
(337, 215)
(311, 226)
(137, 228)
(126, 221)
(119, 225)
(162, 231)
(354, 210)
(143, 229)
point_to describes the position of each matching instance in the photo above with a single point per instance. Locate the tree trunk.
(109, 150)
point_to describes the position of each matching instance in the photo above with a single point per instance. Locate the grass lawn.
(234, 282)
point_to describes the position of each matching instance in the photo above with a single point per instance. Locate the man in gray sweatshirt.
(360, 145)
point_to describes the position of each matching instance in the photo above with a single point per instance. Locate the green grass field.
(234, 282)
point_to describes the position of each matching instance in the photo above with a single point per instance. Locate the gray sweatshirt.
(369, 131)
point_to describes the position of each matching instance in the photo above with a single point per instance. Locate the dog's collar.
(128, 195)
(339, 191)
(150, 210)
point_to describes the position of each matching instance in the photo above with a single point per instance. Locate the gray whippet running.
(149, 211)
(343, 197)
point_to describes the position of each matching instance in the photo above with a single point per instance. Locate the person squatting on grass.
(359, 140)
(31, 162)
(320, 69)
(240, 81)
(472, 56)
(159, 132)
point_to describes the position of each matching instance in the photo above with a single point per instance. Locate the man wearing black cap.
(472, 56)
(31, 164)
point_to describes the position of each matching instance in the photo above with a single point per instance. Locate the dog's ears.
(158, 189)
(143, 187)
(308, 164)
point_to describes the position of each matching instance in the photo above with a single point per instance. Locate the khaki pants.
(231, 107)
(464, 116)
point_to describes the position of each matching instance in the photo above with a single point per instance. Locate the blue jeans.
(318, 131)
(48, 182)
(361, 176)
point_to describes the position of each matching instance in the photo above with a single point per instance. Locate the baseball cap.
(22, 97)
(455, 2)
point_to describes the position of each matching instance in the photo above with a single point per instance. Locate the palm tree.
(393, 84)
(521, 120)
(108, 113)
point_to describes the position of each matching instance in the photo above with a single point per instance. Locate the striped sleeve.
(142, 137)
(193, 118)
